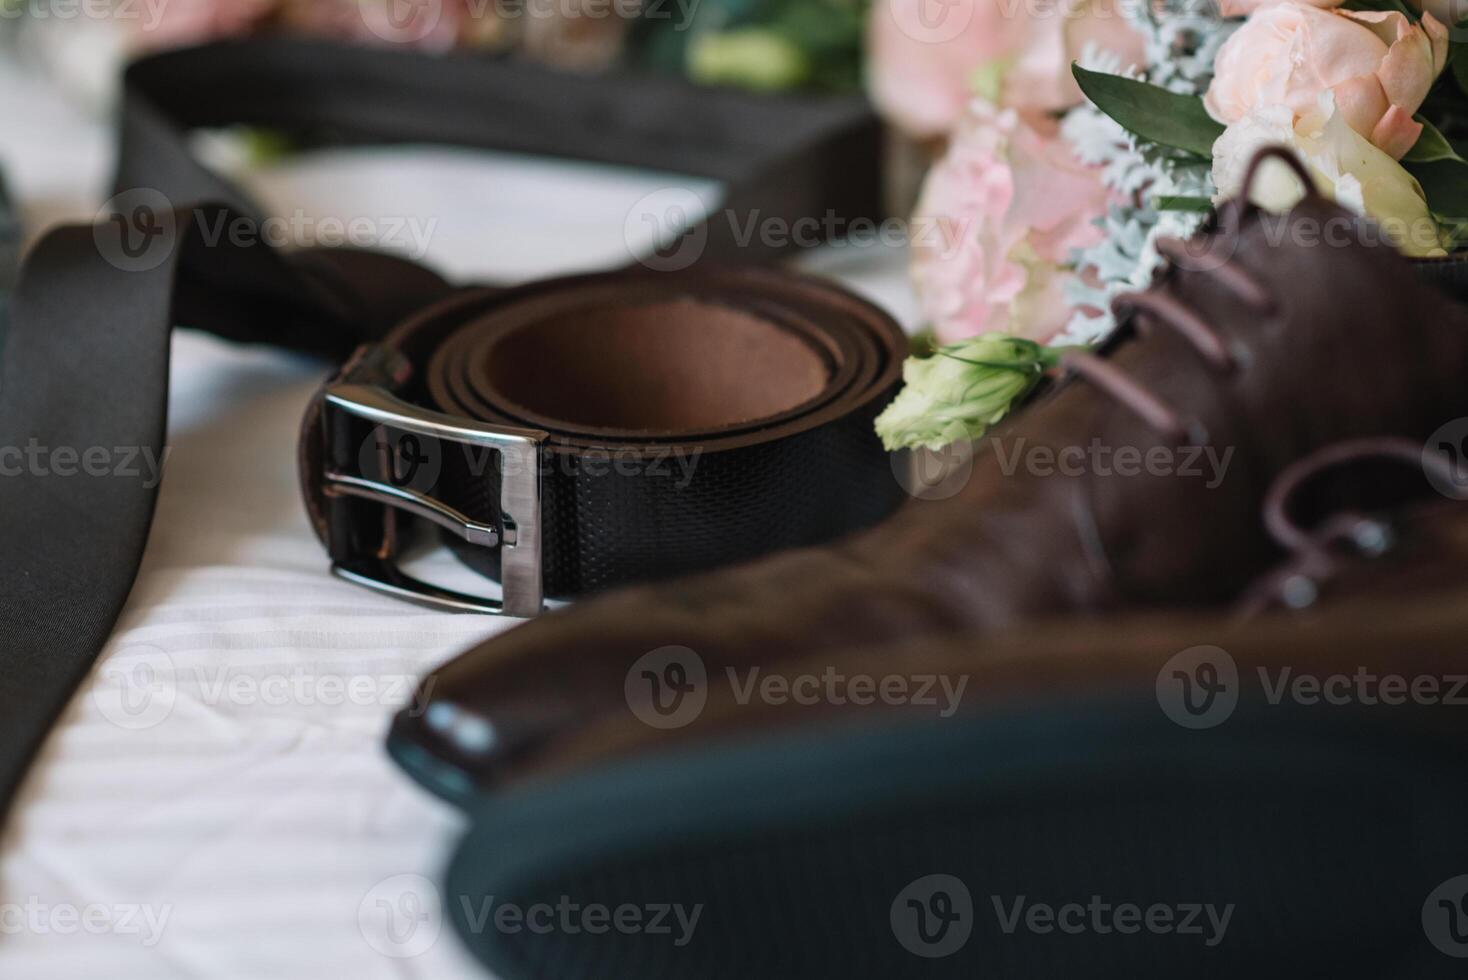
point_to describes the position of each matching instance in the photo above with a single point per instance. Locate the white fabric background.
(263, 822)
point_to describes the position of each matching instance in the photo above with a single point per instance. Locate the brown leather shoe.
(1260, 344)
(1415, 639)
(1375, 580)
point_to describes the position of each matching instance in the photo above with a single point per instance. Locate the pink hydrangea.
(995, 228)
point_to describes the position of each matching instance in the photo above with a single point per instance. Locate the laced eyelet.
(1366, 533)
(1226, 270)
(1170, 312)
(1316, 555)
(1125, 389)
(1299, 591)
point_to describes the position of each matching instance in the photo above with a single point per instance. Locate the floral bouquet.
(1075, 134)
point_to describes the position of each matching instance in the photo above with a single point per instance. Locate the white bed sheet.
(248, 824)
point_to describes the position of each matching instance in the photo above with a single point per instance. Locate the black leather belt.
(583, 433)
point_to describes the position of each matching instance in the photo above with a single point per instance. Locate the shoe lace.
(1316, 554)
(1142, 310)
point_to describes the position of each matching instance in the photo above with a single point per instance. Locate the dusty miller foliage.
(1182, 38)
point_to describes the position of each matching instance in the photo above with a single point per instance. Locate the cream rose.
(1345, 167)
(1377, 64)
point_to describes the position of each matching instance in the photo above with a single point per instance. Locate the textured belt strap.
(675, 423)
(86, 359)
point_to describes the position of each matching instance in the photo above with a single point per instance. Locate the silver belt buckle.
(519, 504)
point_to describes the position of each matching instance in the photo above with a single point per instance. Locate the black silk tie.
(85, 361)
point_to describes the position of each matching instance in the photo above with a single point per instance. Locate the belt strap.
(621, 428)
(86, 360)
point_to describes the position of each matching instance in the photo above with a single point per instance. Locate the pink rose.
(1377, 64)
(999, 216)
(928, 58)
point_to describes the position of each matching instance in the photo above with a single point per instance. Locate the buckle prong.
(415, 503)
(519, 504)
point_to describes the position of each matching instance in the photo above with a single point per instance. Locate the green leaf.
(1455, 229)
(1151, 112)
(1176, 202)
(1445, 182)
(1430, 146)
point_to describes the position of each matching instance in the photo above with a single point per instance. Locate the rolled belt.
(583, 433)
